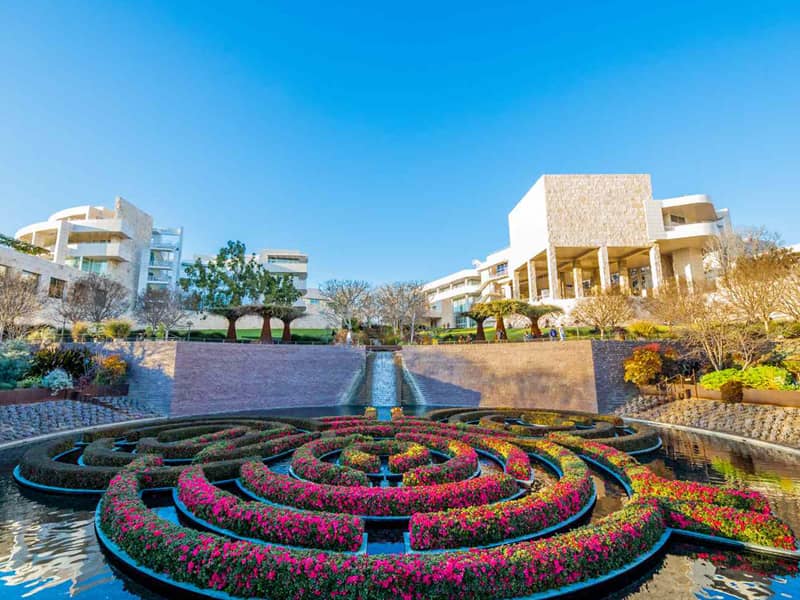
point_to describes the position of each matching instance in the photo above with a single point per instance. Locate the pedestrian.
(561, 335)
(349, 338)
(553, 334)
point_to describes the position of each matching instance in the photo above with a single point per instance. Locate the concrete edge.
(408, 377)
(349, 395)
(720, 434)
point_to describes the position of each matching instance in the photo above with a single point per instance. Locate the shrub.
(57, 381)
(645, 330)
(42, 334)
(79, 331)
(731, 391)
(75, 360)
(716, 379)
(791, 330)
(15, 360)
(30, 382)
(117, 329)
(111, 370)
(767, 377)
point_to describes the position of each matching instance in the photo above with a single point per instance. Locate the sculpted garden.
(460, 503)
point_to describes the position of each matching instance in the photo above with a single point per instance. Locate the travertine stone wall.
(609, 373)
(539, 374)
(596, 210)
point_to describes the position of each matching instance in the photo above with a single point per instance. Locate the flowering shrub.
(374, 501)
(357, 459)
(463, 461)
(488, 524)
(724, 521)
(255, 519)
(306, 463)
(247, 570)
(412, 457)
(263, 444)
(111, 370)
(188, 448)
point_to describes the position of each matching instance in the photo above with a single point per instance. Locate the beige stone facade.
(573, 233)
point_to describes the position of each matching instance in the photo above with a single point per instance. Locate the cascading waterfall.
(383, 391)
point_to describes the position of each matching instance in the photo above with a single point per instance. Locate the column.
(624, 277)
(533, 290)
(603, 267)
(655, 266)
(516, 291)
(62, 239)
(577, 280)
(552, 273)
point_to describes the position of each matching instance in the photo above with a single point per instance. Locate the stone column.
(533, 290)
(604, 267)
(577, 281)
(624, 277)
(62, 239)
(655, 266)
(552, 273)
(515, 283)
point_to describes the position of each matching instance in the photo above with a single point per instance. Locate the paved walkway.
(20, 421)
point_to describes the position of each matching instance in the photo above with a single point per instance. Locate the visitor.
(527, 337)
(561, 335)
(553, 334)
(349, 338)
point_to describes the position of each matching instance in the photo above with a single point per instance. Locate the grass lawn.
(320, 335)
(516, 334)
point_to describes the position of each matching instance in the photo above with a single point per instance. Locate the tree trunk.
(535, 331)
(231, 337)
(287, 331)
(500, 328)
(266, 328)
(480, 334)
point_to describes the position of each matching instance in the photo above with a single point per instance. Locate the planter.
(787, 398)
(25, 396)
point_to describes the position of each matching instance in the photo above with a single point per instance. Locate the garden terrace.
(267, 510)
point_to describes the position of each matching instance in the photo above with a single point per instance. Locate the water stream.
(383, 388)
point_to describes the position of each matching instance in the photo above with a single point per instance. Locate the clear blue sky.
(390, 142)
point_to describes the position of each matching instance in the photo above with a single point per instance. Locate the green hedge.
(761, 377)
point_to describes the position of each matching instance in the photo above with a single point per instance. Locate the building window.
(284, 259)
(677, 220)
(501, 269)
(56, 289)
(32, 277)
(91, 265)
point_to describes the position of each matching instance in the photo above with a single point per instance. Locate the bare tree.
(369, 309)
(160, 307)
(790, 302)
(342, 297)
(402, 303)
(94, 298)
(18, 299)
(755, 285)
(603, 310)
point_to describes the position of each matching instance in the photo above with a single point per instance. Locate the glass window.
(31, 276)
(91, 265)
(56, 289)
(501, 269)
(677, 219)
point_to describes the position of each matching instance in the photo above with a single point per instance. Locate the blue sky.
(389, 142)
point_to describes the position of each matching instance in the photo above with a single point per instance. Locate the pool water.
(48, 548)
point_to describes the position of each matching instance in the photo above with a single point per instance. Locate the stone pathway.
(776, 424)
(21, 421)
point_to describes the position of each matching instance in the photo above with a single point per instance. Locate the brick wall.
(541, 374)
(609, 373)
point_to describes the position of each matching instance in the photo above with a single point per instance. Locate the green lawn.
(513, 334)
(303, 335)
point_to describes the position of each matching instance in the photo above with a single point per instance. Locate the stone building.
(571, 233)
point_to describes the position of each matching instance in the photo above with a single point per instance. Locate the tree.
(94, 298)
(478, 312)
(18, 299)
(790, 303)
(21, 246)
(273, 293)
(603, 309)
(342, 297)
(402, 303)
(755, 285)
(499, 309)
(222, 285)
(287, 314)
(160, 307)
(369, 309)
(534, 312)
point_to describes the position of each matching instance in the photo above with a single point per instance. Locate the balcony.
(115, 251)
(691, 230)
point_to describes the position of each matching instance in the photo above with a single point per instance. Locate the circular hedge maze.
(286, 508)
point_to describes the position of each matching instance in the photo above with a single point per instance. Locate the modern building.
(287, 262)
(572, 233)
(120, 243)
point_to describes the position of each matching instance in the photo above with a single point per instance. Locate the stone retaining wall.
(184, 378)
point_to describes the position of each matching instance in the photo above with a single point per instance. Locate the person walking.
(561, 335)
(553, 334)
(349, 338)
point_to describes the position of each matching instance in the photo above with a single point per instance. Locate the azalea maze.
(486, 504)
